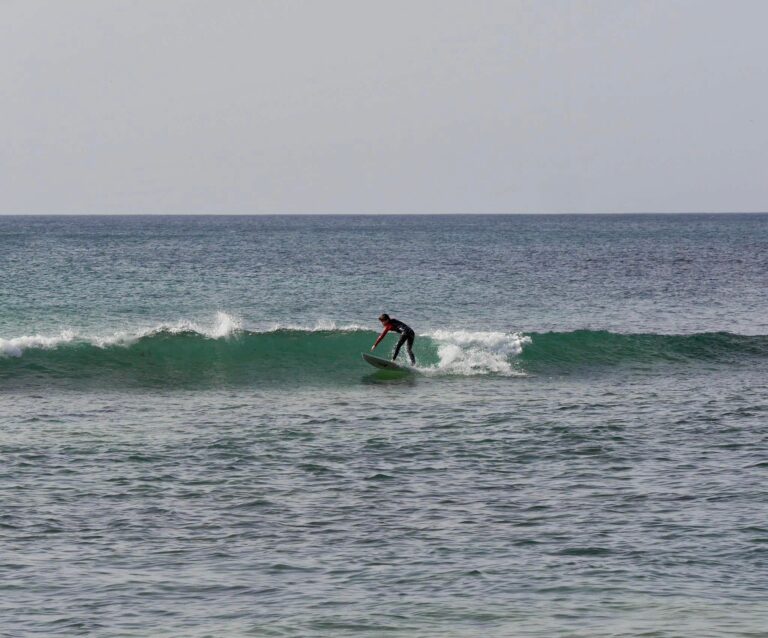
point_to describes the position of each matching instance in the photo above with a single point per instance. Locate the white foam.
(115, 339)
(464, 352)
(321, 325)
(222, 326)
(16, 346)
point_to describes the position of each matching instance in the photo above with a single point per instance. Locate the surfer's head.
(384, 318)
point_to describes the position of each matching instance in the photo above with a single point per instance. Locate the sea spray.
(471, 353)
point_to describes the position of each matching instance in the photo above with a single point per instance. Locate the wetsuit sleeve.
(381, 336)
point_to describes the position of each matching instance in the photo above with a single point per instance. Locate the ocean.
(191, 444)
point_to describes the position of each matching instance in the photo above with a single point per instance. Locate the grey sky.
(262, 106)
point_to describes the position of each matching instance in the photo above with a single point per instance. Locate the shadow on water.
(390, 377)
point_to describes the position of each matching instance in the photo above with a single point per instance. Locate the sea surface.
(191, 444)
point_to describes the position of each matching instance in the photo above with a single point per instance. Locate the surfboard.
(384, 364)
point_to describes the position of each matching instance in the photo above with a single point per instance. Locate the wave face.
(568, 351)
(186, 355)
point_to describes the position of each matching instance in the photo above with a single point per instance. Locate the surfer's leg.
(398, 346)
(410, 338)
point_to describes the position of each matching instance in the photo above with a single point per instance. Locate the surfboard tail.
(383, 364)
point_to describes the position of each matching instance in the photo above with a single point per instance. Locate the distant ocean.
(191, 444)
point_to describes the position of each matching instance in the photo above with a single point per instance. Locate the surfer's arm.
(381, 336)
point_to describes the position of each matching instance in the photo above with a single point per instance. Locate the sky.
(355, 106)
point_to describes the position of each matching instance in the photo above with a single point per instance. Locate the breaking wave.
(189, 354)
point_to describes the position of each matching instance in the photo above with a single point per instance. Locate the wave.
(189, 354)
(566, 351)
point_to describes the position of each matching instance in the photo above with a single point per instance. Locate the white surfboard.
(384, 364)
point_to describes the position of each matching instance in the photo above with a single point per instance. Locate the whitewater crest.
(16, 346)
(223, 325)
(468, 353)
(321, 325)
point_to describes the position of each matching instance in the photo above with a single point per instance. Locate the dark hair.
(384, 317)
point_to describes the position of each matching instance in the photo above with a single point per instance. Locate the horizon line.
(385, 214)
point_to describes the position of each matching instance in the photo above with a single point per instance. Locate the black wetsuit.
(395, 325)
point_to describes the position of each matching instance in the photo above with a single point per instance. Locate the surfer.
(406, 332)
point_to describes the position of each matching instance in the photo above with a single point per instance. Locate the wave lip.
(16, 346)
(321, 325)
(223, 325)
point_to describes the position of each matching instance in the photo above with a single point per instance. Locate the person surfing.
(406, 336)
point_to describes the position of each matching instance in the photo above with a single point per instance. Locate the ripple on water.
(427, 521)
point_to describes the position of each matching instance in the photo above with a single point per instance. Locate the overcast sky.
(428, 106)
